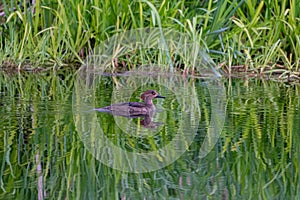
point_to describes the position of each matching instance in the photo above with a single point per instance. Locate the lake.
(208, 139)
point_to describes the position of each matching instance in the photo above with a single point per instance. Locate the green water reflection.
(43, 157)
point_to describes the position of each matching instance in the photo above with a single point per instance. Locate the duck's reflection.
(146, 119)
(148, 122)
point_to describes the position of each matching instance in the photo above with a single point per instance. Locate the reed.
(261, 35)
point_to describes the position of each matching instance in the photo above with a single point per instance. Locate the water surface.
(45, 153)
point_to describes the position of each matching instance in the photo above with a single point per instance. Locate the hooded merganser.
(131, 109)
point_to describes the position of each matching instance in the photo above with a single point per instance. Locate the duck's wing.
(136, 104)
(121, 106)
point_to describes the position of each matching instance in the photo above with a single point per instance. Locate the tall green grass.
(257, 34)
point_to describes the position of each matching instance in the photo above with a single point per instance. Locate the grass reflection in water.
(257, 156)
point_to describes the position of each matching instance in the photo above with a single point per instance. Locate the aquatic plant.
(255, 36)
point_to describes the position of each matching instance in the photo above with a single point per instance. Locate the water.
(52, 142)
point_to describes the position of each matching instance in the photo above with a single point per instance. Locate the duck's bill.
(158, 96)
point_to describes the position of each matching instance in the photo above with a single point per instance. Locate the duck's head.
(150, 94)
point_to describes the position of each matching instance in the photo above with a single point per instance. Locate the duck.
(134, 109)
